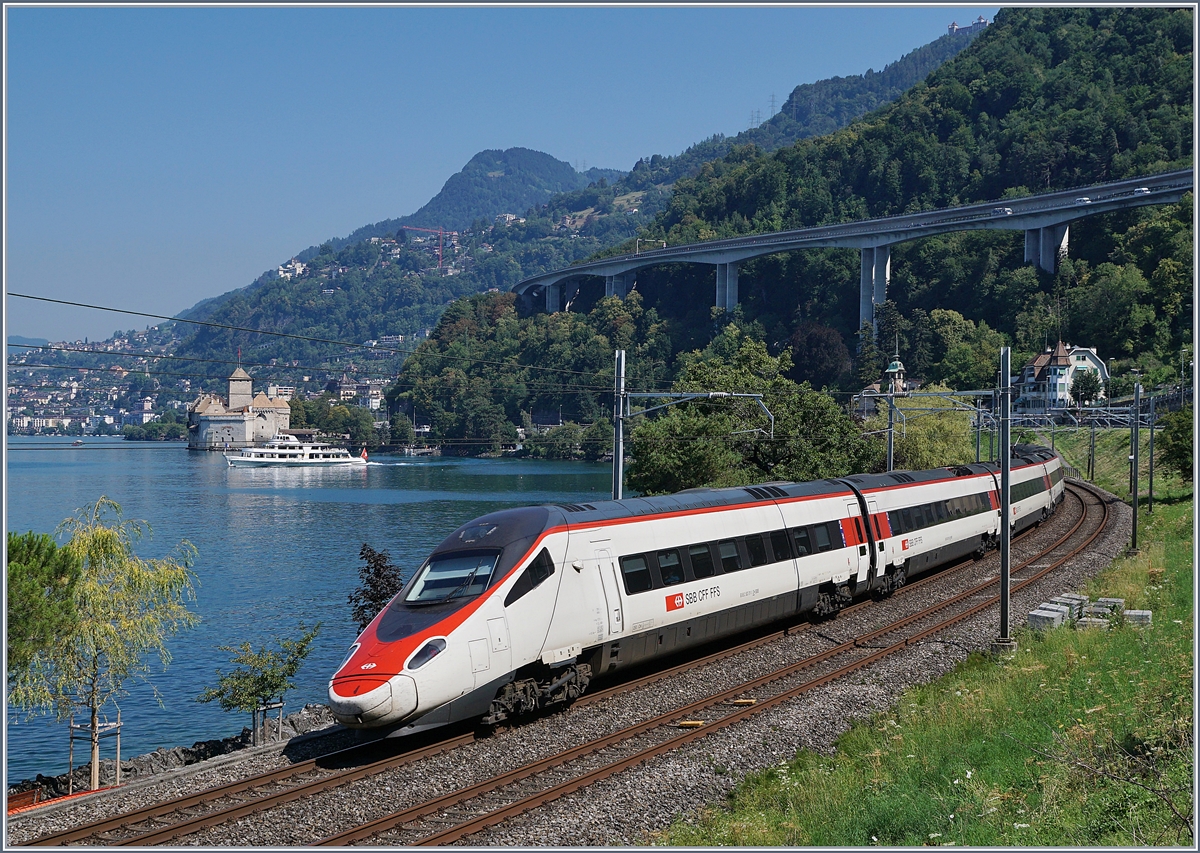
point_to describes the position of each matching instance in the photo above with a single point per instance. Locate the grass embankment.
(1082, 738)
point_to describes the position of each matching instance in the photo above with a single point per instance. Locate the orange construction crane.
(438, 231)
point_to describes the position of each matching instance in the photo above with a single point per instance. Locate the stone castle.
(242, 420)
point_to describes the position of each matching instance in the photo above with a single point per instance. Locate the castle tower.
(240, 390)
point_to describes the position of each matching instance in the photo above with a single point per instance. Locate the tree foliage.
(126, 606)
(728, 442)
(486, 369)
(1175, 442)
(1085, 387)
(379, 580)
(925, 439)
(41, 579)
(262, 675)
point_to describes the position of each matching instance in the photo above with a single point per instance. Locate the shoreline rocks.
(308, 719)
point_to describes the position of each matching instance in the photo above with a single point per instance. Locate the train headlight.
(426, 653)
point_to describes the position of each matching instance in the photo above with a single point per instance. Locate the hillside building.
(974, 27)
(243, 419)
(1045, 382)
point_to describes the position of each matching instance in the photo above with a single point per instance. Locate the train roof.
(595, 512)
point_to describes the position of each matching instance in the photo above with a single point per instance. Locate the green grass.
(1112, 462)
(1082, 738)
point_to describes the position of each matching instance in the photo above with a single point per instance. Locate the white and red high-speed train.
(521, 608)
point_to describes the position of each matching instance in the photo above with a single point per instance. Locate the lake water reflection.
(277, 548)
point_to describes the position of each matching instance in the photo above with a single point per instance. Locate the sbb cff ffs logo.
(674, 602)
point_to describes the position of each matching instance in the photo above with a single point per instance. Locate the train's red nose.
(359, 699)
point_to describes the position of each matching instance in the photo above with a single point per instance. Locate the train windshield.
(462, 575)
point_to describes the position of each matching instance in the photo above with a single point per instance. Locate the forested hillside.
(1045, 99)
(568, 215)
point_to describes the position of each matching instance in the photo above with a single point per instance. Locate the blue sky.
(155, 157)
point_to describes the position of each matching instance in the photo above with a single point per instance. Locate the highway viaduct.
(1045, 219)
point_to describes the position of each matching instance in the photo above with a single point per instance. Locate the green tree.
(401, 430)
(868, 363)
(127, 607)
(727, 442)
(928, 439)
(260, 675)
(1175, 442)
(597, 440)
(1085, 387)
(379, 580)
(41, 597)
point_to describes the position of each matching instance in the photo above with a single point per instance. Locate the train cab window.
(821, 535)
(636, 573)
(452, 576)
(779, 546)
(534, 574)
(803, 545)
(730, 561)
(670, 569)
(702, 561)
(756, 549)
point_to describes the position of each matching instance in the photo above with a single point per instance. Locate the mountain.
(1047, 98)
(569, 216)
(18, 341)
(493, 182)
(813, 109)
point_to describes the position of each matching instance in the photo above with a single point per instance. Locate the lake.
(278, 547)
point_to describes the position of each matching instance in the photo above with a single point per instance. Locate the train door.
(879, 532)
(612, 595)
(857, 542)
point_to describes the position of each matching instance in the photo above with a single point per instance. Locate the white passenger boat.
(289, 450)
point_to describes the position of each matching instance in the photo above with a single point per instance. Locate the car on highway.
(1083, 200)
(1002, 211)
(1142, 191)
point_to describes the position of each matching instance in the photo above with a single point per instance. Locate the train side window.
(539, 570)
(779, 546)
(821, 536)
(906, 522)
(940, 509)
(636, 573)
(670, 569)
(803, 546)
(756, 549)
(930, 515)
(730, 562)
(702, 561)
(835, 534)
(895, 521)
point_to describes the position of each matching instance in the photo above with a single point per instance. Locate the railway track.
(463, 812)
